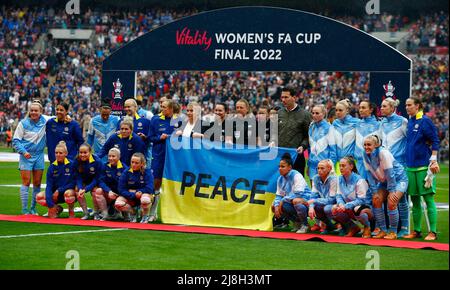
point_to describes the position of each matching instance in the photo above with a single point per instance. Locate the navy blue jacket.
(61, 177)
(109, 179)
(136, 181)
(61, 131)
(421, 133)
(159, 125)
(88, 173)
(127, 146)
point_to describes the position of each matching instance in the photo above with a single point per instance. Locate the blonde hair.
(176, 108)
(196, 107)
(376, 140)
(34, 102)
(346, 103)
(127, 120)
(247, 105)
(62, 144)
(330, 164)
(193, 104)
(245, 102)
(114, 150)
(393, 103)
(133, 101)
(170, 103)
(37, 102)
(322, 108)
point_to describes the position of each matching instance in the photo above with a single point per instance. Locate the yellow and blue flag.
(217, 186)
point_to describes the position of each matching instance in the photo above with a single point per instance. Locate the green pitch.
(165, 250)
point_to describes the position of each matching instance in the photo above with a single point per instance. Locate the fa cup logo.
(118, 94)
(389, 90)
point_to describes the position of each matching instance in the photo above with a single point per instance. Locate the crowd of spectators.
(428, 32)
(377, 22)
(71, 70)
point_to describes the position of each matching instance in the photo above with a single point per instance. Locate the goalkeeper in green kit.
(421, 161)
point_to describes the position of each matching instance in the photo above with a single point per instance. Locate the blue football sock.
(302, 213)
(24, 197)
(364, 219)
(403, 210)
(36, 190)
(393, 220)
(379, 218)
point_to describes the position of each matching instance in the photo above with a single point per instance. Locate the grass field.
(165, 250)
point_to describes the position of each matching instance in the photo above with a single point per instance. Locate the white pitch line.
(61, 233)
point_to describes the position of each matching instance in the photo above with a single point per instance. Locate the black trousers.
(300, 164)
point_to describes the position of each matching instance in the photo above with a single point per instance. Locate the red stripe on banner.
(229, 232)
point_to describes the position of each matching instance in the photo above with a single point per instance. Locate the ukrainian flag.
(205, 184)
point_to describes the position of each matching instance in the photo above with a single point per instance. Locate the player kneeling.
(324, 184)
(107, 192)
(353, 201)
(136, 188)
(88, 168)
(60, 184)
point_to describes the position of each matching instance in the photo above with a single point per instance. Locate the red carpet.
(229, 232)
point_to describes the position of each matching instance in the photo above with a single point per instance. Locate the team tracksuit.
(393, 135)
(291, 186)
(366, 127)
(384, 172)
(57, 131)
(88, 173)
(351, 192)
(135, 181)
(159, 125)
(345, 132)
(100, 131)
(61, 177)
(127, 146)
(322, 145)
